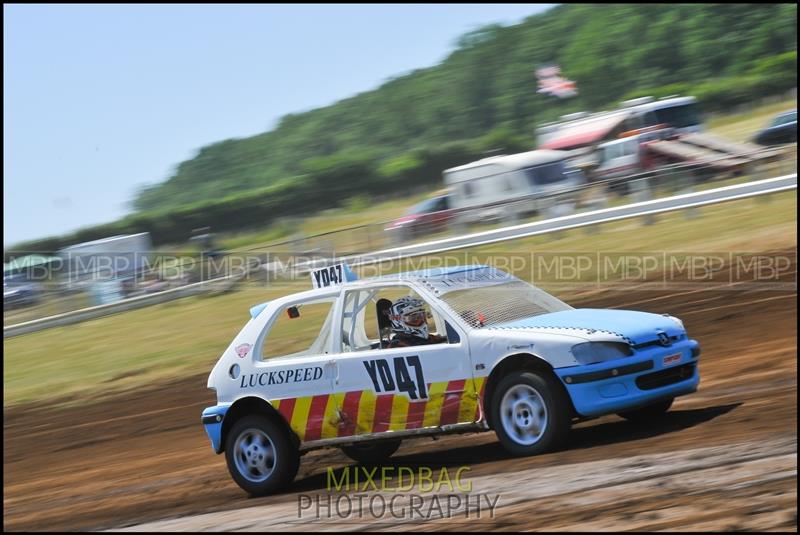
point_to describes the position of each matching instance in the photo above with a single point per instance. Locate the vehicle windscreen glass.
(501, 303)
(785, 119)
(545, 174)
(678, 116)
(428, 205)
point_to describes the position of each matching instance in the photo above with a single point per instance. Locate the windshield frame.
(546, 301)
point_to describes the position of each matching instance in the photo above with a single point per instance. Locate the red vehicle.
(429, 216)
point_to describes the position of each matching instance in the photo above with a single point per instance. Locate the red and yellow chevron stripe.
(362, 412)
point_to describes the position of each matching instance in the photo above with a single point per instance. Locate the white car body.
(344, 390)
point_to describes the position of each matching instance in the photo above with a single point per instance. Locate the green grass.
(132, 348)
(351, 215)
(48, 306)
(746, 226)
(742, 126)
(186, 336)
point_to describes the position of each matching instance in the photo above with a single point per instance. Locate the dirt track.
(145, 457)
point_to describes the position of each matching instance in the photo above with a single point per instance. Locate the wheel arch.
(253, 405)
(514, 363)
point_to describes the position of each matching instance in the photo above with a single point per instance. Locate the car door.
(405, 388)
(292, 368)
(441, 214)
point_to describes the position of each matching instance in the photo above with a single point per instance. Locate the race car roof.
(429, 273)
(448, 279)
(507, 162)
(439, 280)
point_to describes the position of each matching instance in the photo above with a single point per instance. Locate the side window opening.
(360, 327)
(354, 337)
(307, 334)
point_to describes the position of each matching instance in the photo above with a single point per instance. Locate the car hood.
(405, 219)
(633, 326)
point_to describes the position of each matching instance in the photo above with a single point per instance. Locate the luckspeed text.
(459, 501)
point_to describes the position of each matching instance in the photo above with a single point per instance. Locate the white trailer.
(114, 257)
(534, 178)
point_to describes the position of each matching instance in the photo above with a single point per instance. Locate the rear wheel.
(260, 455)
(371, 452)
(531, 413)
(648, 412)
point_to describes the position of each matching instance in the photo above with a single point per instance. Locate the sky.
(100, 100)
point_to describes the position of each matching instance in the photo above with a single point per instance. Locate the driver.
(410, 324)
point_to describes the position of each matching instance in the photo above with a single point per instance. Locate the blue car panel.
(212, 421)
(648, 376)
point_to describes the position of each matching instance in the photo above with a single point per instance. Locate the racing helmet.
(408, 316)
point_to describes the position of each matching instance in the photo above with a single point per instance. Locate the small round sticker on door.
(242, 350)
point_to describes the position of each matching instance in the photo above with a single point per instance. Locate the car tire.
(648, 412)
(371, 452)
(260, 455)
(531, 413)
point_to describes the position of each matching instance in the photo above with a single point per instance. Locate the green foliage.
(357, 204)
(768, 76)
(778, 73)
(679, 88)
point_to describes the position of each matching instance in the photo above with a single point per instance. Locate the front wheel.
(260, 455)
(371, 452)
(649, 412)
(531, 413)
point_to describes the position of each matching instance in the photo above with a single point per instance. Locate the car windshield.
(426, 206)
(486, 306)
(678, 116)
(785, 119)
(545, 174)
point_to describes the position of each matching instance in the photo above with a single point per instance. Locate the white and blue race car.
(314, 369)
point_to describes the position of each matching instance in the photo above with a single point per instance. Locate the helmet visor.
(414, 319)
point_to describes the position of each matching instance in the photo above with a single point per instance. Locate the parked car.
(18, 293)
(318, 369)
(431, 215)
(782, 129)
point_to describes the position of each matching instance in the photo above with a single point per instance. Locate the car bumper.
(646, 377)
(212, 419)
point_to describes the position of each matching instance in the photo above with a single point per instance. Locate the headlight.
(593, 352)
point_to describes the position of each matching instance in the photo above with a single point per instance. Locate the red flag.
(552, 83)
